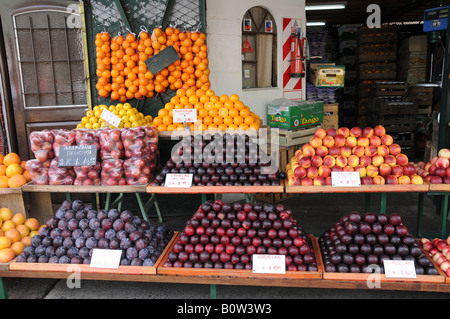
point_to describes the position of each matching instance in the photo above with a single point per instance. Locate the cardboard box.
(417, 43)
(413, 75)
(326, 75)
(412, 60)
(287, 114)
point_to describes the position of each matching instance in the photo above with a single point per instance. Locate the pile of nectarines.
(369, 151)
(437, 170)
(439, 250)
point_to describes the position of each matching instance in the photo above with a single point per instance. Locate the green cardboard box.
(288, 114)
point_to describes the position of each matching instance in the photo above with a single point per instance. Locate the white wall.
(224, 31)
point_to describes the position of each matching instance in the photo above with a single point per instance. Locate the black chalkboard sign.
(162, 60)
(82, 155)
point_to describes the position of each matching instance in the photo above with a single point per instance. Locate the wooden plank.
(440, 188)
(216, 189)
(409, 188)
(83, 189)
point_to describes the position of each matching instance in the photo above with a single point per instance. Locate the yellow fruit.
(5, 213)
(5, 242)
(23, 230)
(13, 234)
(32, 223)
(14, 169)
(18, 219)
(8, 224)
(18, 247)
(6, 255)
(34, 233)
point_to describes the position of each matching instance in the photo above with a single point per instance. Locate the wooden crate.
(12, 198)
(237, 273)
(330, 116)
(288, 138)
(387, 88)
(423, 96)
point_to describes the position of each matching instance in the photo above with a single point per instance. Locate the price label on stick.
(106, 258)
(179, 180)
(399, 269)
(269, 264)
(110, 118)
(345, 179)
(184, 115)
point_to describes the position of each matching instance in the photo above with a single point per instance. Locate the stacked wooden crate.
(423, 96)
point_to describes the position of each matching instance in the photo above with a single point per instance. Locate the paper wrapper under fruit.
(42, 145)
(60, 175)
(63, 138)
(88, 137)
(112, 172)
(111, 145)
(88, 175)
(139, 170)
(38, 171)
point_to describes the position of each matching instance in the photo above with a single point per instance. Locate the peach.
(358, 150)
(329, 181)
(319, 181)
(315, 141)
(324, 171)
(409, 170)
(391, 180)
(356, 131)
(361, 170)
(343, 131)
(387, 140)
(351, 141)
(307, 181)
(363, 141)
(316, 161)
(427, 166)
(379, 180)
(445, 266)
(297, 182)
(332, 132)
(402, 159)
(328, 141)
(368, 132)
(336, 169)
(353, 160)
(329, 161)
(298, 152)
(442, 162)
(395, 149)
(404, 180)
(434, 160)
(341, 161)
(346, 151)
(390, 160)
(416, 180)
(397, 170)
(308, 150)
(370, 150)
(334, 151)
(348, 168)
(377, 160)
(375, 141)
(427, 246)
(372, 171)
(312, 172)
(383, 150)
(305, 162)
(322, 151)
(300, 172)
(366, 180)
(445, 152)
(379, 130)
(365, 160)
(320, 133)
(385, 169)
(339, 140)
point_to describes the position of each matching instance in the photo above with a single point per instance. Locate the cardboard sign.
(399, 269)
(345, 179)
(82, 155)
(269, 264)
(179, 180)
(184, 116)
(110, 118)
(106, 258)
(162, 60)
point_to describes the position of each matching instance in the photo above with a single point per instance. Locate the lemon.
(103, 125)
(116, 112)
(122, 112)
(103, 107)
(133, 118)
(119, 106)
(97, 113)
(80, 126)
(100, 120)
(127, 125)
(95, 126)
(89, 113)
(112, 108)
(135, 124)
(96, 108)
(93, 120)
(125, 118)
(88, 125)
(120, 125)
(127, 106)
(85, 120)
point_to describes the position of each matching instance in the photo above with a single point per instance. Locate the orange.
(18, 247)
(7, 224)
(243, 127)
(213, 112)
(167, 120)
(244, 112)
(5, 242)
(228, 121)
(27, 176)
(239, 105)
(162, 128)
(223, 112)
(207, 120)
(208, 106)
(26, 240)
(32, 223)
(232, 127)
(238, 120)
(163, 112)
(5, 214)
(223, 98)
(6, 255)
(2, 170)
(212, 127)
(249, 120)
(218, 120)
(11, 158)
(23, 230)
(157, 121)
(13, 234)
(222, 127)
(1, 159)
(234, 97)
(17, 181)
(233, 112)
(203, 113)
(18, 219)
(254, 126)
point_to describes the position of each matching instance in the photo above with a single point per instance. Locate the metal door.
(46, 65)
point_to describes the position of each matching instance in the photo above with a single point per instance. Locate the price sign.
(110, 118)
(82, 155)
(106, 258)
(179, 180)
(269, 264)
(345, 179)
(399, 269)
(184, 115)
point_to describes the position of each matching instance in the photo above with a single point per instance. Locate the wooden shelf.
(216, 189)
(83, 189)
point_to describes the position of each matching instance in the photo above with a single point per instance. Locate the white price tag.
(106, 258)
(269, 264)
(110, 118)
(399, 269)
(179, 180)
(345, 179)
(184, 115)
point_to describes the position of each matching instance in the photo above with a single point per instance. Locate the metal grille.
(121, 17)
(51, 60)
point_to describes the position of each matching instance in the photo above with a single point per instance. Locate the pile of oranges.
(16, 232)
(214, 113)
(12, 171)
(122, 72)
